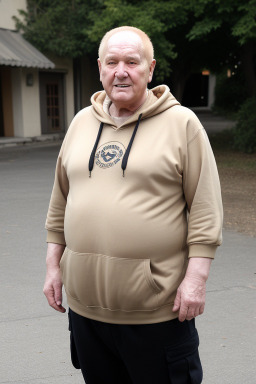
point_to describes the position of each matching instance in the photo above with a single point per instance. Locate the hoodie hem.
(158, 315)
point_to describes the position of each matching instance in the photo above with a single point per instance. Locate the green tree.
(75, 28)
(188, 35)
(155, 18)
(59, 26)
(236, 21)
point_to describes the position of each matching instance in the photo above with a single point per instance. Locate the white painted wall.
(9, 8)
(211, 90)
(26, 105)
(17, 102)
(30, 104)
(26, 99)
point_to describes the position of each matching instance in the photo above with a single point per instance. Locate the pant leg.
(93, 351)
(162, 353)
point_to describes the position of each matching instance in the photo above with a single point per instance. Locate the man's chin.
(121, 97)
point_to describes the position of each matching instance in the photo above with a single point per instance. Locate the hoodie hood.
(158, 100)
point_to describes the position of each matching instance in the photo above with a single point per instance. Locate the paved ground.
(213, 123)
(34, 347)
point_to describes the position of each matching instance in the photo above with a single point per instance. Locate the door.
(196, 91)
(1, 109)
(52, 102)
(6, 111)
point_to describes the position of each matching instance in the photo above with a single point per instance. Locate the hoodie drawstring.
(127, 152)
(91, 161)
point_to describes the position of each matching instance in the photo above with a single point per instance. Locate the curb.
(19, 141)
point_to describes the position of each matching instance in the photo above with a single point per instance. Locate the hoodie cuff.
(55, 237)
(202, 250)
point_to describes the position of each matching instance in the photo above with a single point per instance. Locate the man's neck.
(121, 111)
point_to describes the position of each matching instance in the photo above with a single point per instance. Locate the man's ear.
(151, 70)
(99, 66)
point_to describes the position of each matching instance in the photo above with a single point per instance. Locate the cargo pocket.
(73, 351)
(108, 282)
(184, 363)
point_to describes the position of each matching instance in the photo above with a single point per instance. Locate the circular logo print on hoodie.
(109, 154)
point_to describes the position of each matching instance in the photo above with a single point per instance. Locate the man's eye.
(111, 62)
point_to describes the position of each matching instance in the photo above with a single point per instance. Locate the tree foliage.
(239, 16)
(75, 28)
(59, 26)
(245, 130)
(236, 21)
(188, 35)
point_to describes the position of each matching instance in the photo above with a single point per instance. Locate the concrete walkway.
(34, 346)
(213, 123)
(18, 141)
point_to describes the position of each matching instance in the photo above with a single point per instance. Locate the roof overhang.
(15, 51)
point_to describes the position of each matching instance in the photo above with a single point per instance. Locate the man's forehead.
(128, 54)
(125, 38)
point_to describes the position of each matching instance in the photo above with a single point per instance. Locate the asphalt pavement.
(34, 346)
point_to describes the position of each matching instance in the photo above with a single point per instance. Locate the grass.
(238, 183)
(227, 157)
(230, 115)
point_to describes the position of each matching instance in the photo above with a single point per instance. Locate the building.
(39, 95)
(36, 92)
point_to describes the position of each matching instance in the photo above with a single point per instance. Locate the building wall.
(17, 102)
(211, 93)
(8, 9)
(24, 99)
(30, 104)
(26, 105)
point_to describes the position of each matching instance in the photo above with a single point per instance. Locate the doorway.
(52, 102)
(196, 91)
(1, 109)
(6, 109)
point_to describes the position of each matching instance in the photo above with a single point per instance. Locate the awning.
(15, 51)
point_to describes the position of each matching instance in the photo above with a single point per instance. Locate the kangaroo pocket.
(112, 283)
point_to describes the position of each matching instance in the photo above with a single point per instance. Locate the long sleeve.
(55, 216)
(202, 193)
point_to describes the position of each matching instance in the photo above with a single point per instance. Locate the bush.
(230, 92)
(245, 130)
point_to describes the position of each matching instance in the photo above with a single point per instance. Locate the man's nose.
(121, 70)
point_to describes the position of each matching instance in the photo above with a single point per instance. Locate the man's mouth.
(122, 85)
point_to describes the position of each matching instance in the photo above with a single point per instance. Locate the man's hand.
(53, 282)
(190, 298)
(53, 289)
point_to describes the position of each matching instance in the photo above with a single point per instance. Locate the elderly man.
(134, 221)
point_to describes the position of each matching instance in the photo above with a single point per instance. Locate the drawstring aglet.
(123, 172)
(90, 173)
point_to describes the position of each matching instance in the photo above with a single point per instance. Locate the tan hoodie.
(128, 238)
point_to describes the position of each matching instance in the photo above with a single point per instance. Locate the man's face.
(124, 70)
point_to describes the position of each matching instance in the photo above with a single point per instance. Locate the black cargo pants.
(161, 353)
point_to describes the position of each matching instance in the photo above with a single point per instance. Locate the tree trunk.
(248, 67)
